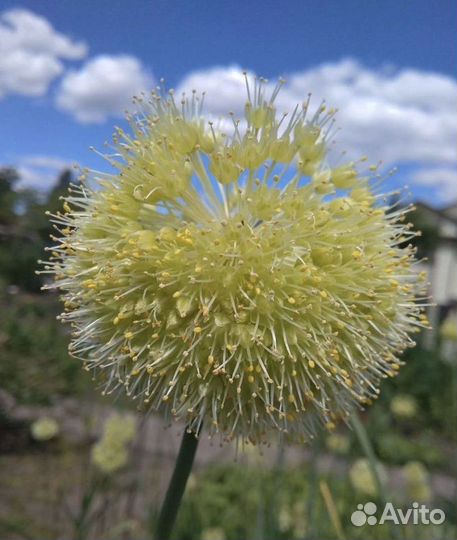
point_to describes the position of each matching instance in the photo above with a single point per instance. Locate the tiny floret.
(229, 275)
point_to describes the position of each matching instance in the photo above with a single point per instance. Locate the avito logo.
(417, 514)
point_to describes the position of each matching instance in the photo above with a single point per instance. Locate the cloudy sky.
(68, 71)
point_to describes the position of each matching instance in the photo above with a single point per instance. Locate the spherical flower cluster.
(111, 453)
(236, 278)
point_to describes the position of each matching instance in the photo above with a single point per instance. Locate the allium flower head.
(236, 277)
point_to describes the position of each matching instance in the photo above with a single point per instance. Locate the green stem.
(367, 447)
(81, 522)
(365, 443)
(183, 466)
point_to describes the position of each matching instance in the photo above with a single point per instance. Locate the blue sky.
(389, 65)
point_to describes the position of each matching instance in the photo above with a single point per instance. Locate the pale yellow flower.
(109, 458)
(120, 427)
(284, 518)
(363, 479)
(111, 453)
(44, 429)
(403, 406)
(417, 482)
(237, 277)
(213, 533)
(448, 329)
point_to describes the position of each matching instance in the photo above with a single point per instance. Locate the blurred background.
(76, 465)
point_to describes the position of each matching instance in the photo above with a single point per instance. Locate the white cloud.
(397, 116)
(31, 53)
(224, 87)
(41, 172)
(406, 115)
(103, 87)
(45, 162)
(442, 179)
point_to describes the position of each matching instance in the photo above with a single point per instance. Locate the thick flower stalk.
(237, 278)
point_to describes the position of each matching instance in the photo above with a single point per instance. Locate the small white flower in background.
(44, 429)
(403, 406)
(362, 478)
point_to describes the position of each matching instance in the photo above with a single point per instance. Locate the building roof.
(448, 213)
